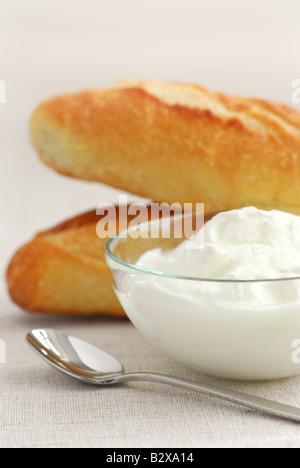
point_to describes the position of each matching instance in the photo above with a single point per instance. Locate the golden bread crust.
(63, 270)
(175, 143)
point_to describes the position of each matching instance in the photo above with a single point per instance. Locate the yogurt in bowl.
(229, 306)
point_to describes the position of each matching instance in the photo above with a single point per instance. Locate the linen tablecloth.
(41, 407)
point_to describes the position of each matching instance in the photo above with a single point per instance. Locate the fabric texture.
(42, 408)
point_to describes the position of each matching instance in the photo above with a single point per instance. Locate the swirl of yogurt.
(242, 244)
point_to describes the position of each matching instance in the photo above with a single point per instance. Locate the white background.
(47, 48)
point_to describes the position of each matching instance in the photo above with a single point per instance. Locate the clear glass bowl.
(242, 329)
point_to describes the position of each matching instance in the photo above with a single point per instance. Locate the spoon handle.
(250, 401)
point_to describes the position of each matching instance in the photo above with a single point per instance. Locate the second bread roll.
(63, 270)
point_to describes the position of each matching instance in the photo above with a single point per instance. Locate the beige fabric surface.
(42, 408)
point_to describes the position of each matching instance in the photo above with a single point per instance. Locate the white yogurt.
(240, 244)
(241, 330)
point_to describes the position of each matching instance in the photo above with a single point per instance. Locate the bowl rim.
(113, 240)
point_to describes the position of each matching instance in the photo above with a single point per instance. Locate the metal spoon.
(86, 362)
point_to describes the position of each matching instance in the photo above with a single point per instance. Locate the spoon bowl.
(74, 356)
(86, 362)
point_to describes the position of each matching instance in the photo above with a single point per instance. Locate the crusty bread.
(175, 143)
(63, 269)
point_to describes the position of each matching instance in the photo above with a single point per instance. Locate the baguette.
(63, 270)
(173, 142)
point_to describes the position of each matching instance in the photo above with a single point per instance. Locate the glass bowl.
(237, 329)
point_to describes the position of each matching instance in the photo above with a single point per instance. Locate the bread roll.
(63, 270)
(175, 143)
